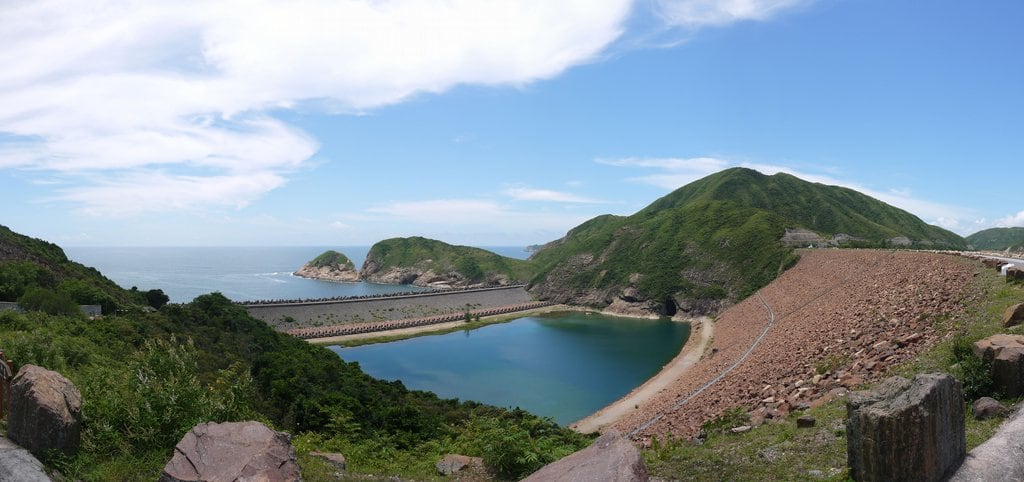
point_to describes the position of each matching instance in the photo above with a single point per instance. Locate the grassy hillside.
(332, 258)
(473, 264)
(42, 270)
(713, 241)
(998, 239)
(148, 378)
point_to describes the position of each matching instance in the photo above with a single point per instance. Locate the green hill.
(426, 262)
(998, 239)
(715, 241)
(40, 268)
(331, 258)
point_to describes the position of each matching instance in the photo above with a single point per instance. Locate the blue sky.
(489, 123)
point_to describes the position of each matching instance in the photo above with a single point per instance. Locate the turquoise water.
(241, 274)
(564, 366)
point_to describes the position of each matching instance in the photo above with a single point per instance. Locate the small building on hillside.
(10, 305)
(92, 311)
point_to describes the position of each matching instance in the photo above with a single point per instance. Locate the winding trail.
(700, 339)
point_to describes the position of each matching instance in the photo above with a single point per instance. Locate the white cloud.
(155, 191)
(116, 93)
(1011, 221)
(478, 213)
(716, 13)
(530, 194)
(676, 172)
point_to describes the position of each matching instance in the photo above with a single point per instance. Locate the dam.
(293, 315)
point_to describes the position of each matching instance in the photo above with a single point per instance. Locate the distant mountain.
(330, 266)
(715, 241)
(428, 262)
(998, 239)
(27, 263)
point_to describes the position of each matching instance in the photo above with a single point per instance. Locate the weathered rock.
(906, 429)
(987, 407)
(336, 460)
(17, 464)
(1014, 274)
(991, 262)
(232, 451)
(1006, 353)
(452, 464)
(46, 412)
(741, 429)
(1013, 315)
(338, 274)
(806, 421)
(610, 457)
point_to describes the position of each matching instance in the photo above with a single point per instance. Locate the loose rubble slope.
(852, 313)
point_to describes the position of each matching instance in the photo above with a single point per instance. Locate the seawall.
(290, 316)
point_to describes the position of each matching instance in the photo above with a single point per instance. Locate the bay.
(240, 273)
(564, 366)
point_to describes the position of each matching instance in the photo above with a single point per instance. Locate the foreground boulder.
(987, 407)
(610, 457)
(906, 429)
(1013, 315)
(452, 464)
(46, 412)
(17, 464)
(1006, 354)
(215, 452)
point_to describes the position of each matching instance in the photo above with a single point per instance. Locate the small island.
(330, 266)
(435, 264)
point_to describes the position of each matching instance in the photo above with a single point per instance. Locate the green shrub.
(49, 301)
(516, 444)
(974, 373)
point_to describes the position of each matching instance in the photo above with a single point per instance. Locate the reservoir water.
(564, 366)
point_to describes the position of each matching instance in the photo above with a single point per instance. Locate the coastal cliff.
(330, 266)
(431, 263)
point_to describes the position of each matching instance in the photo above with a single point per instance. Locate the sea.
(239, 273)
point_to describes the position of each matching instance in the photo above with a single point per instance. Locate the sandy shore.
(701, 332)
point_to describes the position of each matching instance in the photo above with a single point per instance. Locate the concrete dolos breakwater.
(300, 315)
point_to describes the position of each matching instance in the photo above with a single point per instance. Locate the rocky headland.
(330, 266)
(435, 264)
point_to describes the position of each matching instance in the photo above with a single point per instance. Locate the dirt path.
(702, 330)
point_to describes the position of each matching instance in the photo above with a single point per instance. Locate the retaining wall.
(321, 314)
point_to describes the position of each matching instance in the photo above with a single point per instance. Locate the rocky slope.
(842, 318)
(715, 241)
(330, 266)
(427, 262)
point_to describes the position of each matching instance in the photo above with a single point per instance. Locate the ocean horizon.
(239, 273)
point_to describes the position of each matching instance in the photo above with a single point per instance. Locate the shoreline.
(691, 352)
